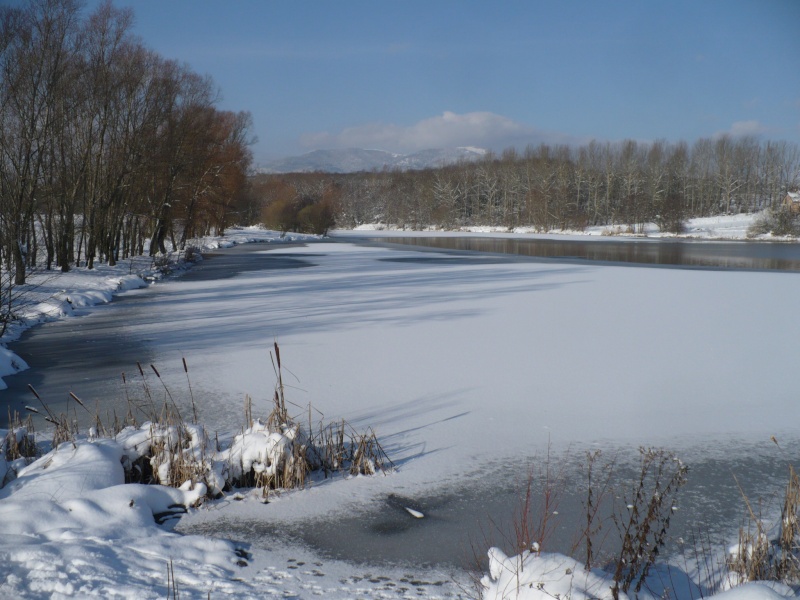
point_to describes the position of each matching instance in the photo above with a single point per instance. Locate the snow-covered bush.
(17, 449)
(268, 454)
(169, 451)
(780, 221)
(168, 454)
(765, 563)
(545, 576)
(263, 458)
(264, 455)
(18, 442)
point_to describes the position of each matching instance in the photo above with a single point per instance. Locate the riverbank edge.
(720, 228)
(52, 295)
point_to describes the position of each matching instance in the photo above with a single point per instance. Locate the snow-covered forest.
(104, 143)
(554, 187)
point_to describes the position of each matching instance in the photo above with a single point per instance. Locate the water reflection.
(685, 253)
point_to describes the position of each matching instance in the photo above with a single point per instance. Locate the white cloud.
(743, 129)
(448, 130)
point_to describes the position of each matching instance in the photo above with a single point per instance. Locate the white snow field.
(721, 227)
(461, 365)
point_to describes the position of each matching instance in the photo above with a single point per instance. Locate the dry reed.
(171, 451)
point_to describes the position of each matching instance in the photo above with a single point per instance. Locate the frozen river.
(468, 365)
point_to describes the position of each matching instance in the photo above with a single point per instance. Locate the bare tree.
(37, 41)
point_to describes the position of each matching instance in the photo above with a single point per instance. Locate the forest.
(105, 145)
(546, 188)
(108, 150)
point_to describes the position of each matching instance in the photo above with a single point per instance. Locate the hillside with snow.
(353, 160)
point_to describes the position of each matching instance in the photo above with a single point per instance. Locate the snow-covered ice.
(458, 365)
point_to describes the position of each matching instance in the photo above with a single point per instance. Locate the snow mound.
(10, 364)
(70, 512)
(534, 576)
(543, 576)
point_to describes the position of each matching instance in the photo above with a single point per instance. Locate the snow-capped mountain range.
(353, 160)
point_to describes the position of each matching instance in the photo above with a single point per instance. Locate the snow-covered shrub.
(19, 441)
(640, 511)
(192, 254)
(277, 453)
(643, 520)
(17, 448)
(368, 456)
(167, 454)
(338, 447)
(263, 458)
(163, 263)
(780, 221)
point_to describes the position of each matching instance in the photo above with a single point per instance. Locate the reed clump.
(770, 553)
(162, 447)
(17, 447)
(20, 439)
(281, 452)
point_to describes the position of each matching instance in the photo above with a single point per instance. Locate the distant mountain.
(356, 159)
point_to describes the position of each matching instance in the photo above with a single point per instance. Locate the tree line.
(105, 145)
(556, 187)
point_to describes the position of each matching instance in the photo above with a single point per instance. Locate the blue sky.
(408, 75)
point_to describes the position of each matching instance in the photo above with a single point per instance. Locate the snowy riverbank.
(50, 295)
(721, 227)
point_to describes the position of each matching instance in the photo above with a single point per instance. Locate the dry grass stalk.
(536, 521)
(759, 558)
(172, 583)
(130, 417)
(788, 565)
(328, 451)
(598, 491)
(167, 393)
(189, 384)
(177, 452)
(248, 411)
(99, 427)
(751, 561)
(644, 520)
(279, 417)
(369, 457)
(338, 447)
(20, 439)
(63, 431)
